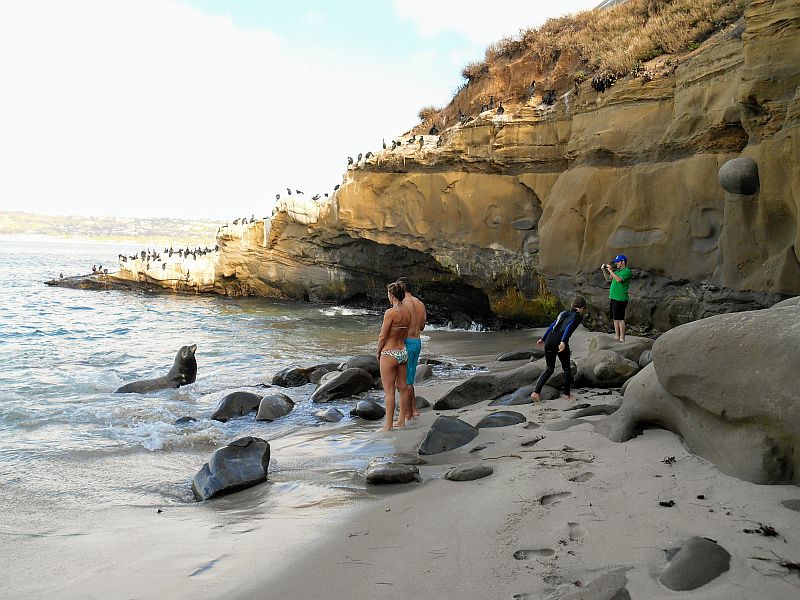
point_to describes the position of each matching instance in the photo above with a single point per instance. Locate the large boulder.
(368, 362)
(607, 369)
(447, 433)
(728, 386)
(488, 386)
(346, 384)
(236, 404)
(241, 464)
(274, 407)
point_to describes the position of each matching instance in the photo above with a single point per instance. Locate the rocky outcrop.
(504, 217)
(727, 385)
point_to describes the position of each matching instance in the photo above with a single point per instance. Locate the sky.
(206, 109)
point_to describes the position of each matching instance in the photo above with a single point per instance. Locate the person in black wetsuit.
(556, 344)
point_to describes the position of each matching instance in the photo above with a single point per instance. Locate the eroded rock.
(488, 386)
(241, 464)
(346, 384)
(698, 562)
(447, 433)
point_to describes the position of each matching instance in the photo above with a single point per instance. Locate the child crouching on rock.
(556, 343)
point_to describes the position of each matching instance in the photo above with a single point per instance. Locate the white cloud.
(148, 107)
(480, 21)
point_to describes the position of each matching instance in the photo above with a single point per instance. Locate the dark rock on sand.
(698, 562)
(241, 464)
(610, 586)
(274, 407)
(700, 386)
(424, 372)
(184, 420)
(791, 504)
(291, 376)
(422, 402)
(447, 433)
(346, 384)
(597, 409)
(487, 386)
(368, 410)
(318, 371)
(330, 415)
(501, 418)
(521, 355)
(236, 404)
(368, 362)
(468, 472)
(391, 472)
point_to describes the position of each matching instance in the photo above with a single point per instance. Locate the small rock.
(468, 473)
(274, 407)
(184, 420)
(385, 473)
(368, 410)
(447, 433)
(330, 415)
(502, 418)
(698, 562)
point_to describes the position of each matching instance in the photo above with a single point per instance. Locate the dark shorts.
(618, 309)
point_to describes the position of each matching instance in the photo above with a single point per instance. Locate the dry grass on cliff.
(612, 42)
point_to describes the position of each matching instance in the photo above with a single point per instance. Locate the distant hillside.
(127, 229)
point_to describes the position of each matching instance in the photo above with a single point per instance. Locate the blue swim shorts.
(413, 347)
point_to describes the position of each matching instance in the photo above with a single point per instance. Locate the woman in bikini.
(392, 353)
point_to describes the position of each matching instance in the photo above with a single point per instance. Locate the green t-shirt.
(619, 289)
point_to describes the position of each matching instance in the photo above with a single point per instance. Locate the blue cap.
(620, 257)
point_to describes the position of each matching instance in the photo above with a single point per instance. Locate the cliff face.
(501, 216)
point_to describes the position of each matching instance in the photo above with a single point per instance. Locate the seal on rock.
(183, 372)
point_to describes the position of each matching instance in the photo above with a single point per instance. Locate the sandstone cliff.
(500, 218)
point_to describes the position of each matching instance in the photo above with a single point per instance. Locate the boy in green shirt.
(618, 294)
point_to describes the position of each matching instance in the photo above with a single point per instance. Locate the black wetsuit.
(559, 331)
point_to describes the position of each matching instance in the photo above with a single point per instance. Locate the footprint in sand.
(575, 531)
(526, 554)
(553, 498)
(583, 477)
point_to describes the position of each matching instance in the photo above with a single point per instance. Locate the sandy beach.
(554, 516)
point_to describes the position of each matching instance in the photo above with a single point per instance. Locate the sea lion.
(183, 372)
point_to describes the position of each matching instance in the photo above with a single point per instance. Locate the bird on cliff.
(412, 140)
(315, 197)
(500, 109)
(491, 102)
(298, 192)
(484, 107)
(277, 197)
(368, 155)
(336, 187)
(439, 143)
(288, 191)
(421, 141)
(326, 194)
(394, 144)
(360, 156)
(163, 266)
(434, 130)
(384, 143)
(349, 160)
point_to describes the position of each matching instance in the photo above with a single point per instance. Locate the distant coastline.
(22, 226)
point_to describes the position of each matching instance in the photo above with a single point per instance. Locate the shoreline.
(553, 517)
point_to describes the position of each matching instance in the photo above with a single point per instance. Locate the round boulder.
(607, 369)
(445, 434)
(739, 176)
(501, 418)
(241, 464)
(274, 407)
(646, 358)
(698, 562)
(236, 404)
(468, 472)
(329, 415)
(422, 402)
(368, 410)
(346, 384)
(391, 472)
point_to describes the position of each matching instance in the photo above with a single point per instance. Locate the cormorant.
(326, 194)
(315, 197)
(491, 102)
(394, 144)
(360, 156)
(421, 141)
(277, 196)
(384, 143)
(484, 107)
(349, 160)
(336, 187)
(368, 155)
(412, 140)
(288, 191)
(500, 109)
(298, 192)
(163, 266)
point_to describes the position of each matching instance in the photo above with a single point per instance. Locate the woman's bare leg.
(388, 376)
(400, 384)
